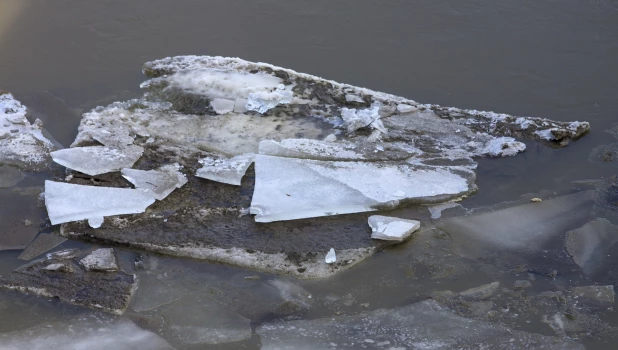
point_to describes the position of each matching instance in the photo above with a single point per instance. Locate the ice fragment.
(157, 183)
(95, 160)
(229, 171)
(331, 257)
(391, 228)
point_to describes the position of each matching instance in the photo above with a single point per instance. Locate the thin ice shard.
(95, 160)
(289, 188)
(67, 202)
(392, 229)
(229, 171)
(158, 183)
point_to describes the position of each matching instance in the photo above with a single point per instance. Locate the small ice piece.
(58, 267)
(356, 119)
(353, 98)
(330, 138)
(222, 105)
(229, 171)
(311, 149)
(95, 160)
(262, 101)
(157, 183)
(100, 260)
(503, 146)
(331, 257)
(291, 188)
(436, 210)
(391, 228)
(399, 194)
(68, 202)
(96, 221)
(404, 108)
(240, 105)
(63, 254)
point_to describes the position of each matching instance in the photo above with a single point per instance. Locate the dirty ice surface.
(228, 171)
(425, 325)
(392, 229)
(68, 202)
(21, 143)
(95, 160)
(158, 183)
(87, 332)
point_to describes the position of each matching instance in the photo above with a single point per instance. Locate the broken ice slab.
(21, 143)
(158, 183)
(67, 280)
(392, 229)
(523, 228)
(41, 244)
(67, 202)
(425, 325)
(590, 244)
(95, 160)
(289, 188)
(89, 332)
(228, 171)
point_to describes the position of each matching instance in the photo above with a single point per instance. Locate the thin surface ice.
(68, 202)
(425, 325)
(289, 188)
(391, 228)
(90, 332)
(95, 160)
(228, 171)
(10, 176)
(21, 143)
(591, 243)
(41, 244)
(157, 183)
(503, 147)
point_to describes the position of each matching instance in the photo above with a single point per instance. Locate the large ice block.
(289, 188)
(67, 202)
(95, 160)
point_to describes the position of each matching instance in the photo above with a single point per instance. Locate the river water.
(555, 59)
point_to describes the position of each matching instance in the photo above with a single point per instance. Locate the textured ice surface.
(331, 256)
(504, 146)
(67, 202)
(591, 243)
(310, 149)
(21, 143)
(362, 118)
(100, 260)
(289, 188)
(228, 171)
(262, 101)
(82, 333)
(392, 229)
(158, 183)
(522, 228)
(425, 325)
(95, 160)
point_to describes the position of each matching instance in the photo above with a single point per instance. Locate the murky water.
(554, 59)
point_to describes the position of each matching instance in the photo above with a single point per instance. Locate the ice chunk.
(10, 176)
(100, 260)
(290, 188)
(262, 101)
(504, 146)
(95, 160)
(356, 119)
(404, 108)
(312, 149)
(523, 228)
(157, 183)
(392, 229)
(90, 332)
(222, 105)
(68, 202)
(436, 210)
(96, 222)
(591, 243)
(425, 325)
(353, 98)
(331, 256)
(21, 143)
(117, 136)
(229, 171)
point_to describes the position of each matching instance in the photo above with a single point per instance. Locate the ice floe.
(67, 202)
(228, 171)
(95, 160)
(392, 229)
(158, 183)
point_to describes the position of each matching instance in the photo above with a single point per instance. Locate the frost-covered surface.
(425, 325)
(158, 183)
(97, 160)
(68, 202)
(225, 170)
(102, 259)
(392, 229)
(21, 143)
(89, 332)
(290, 188)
